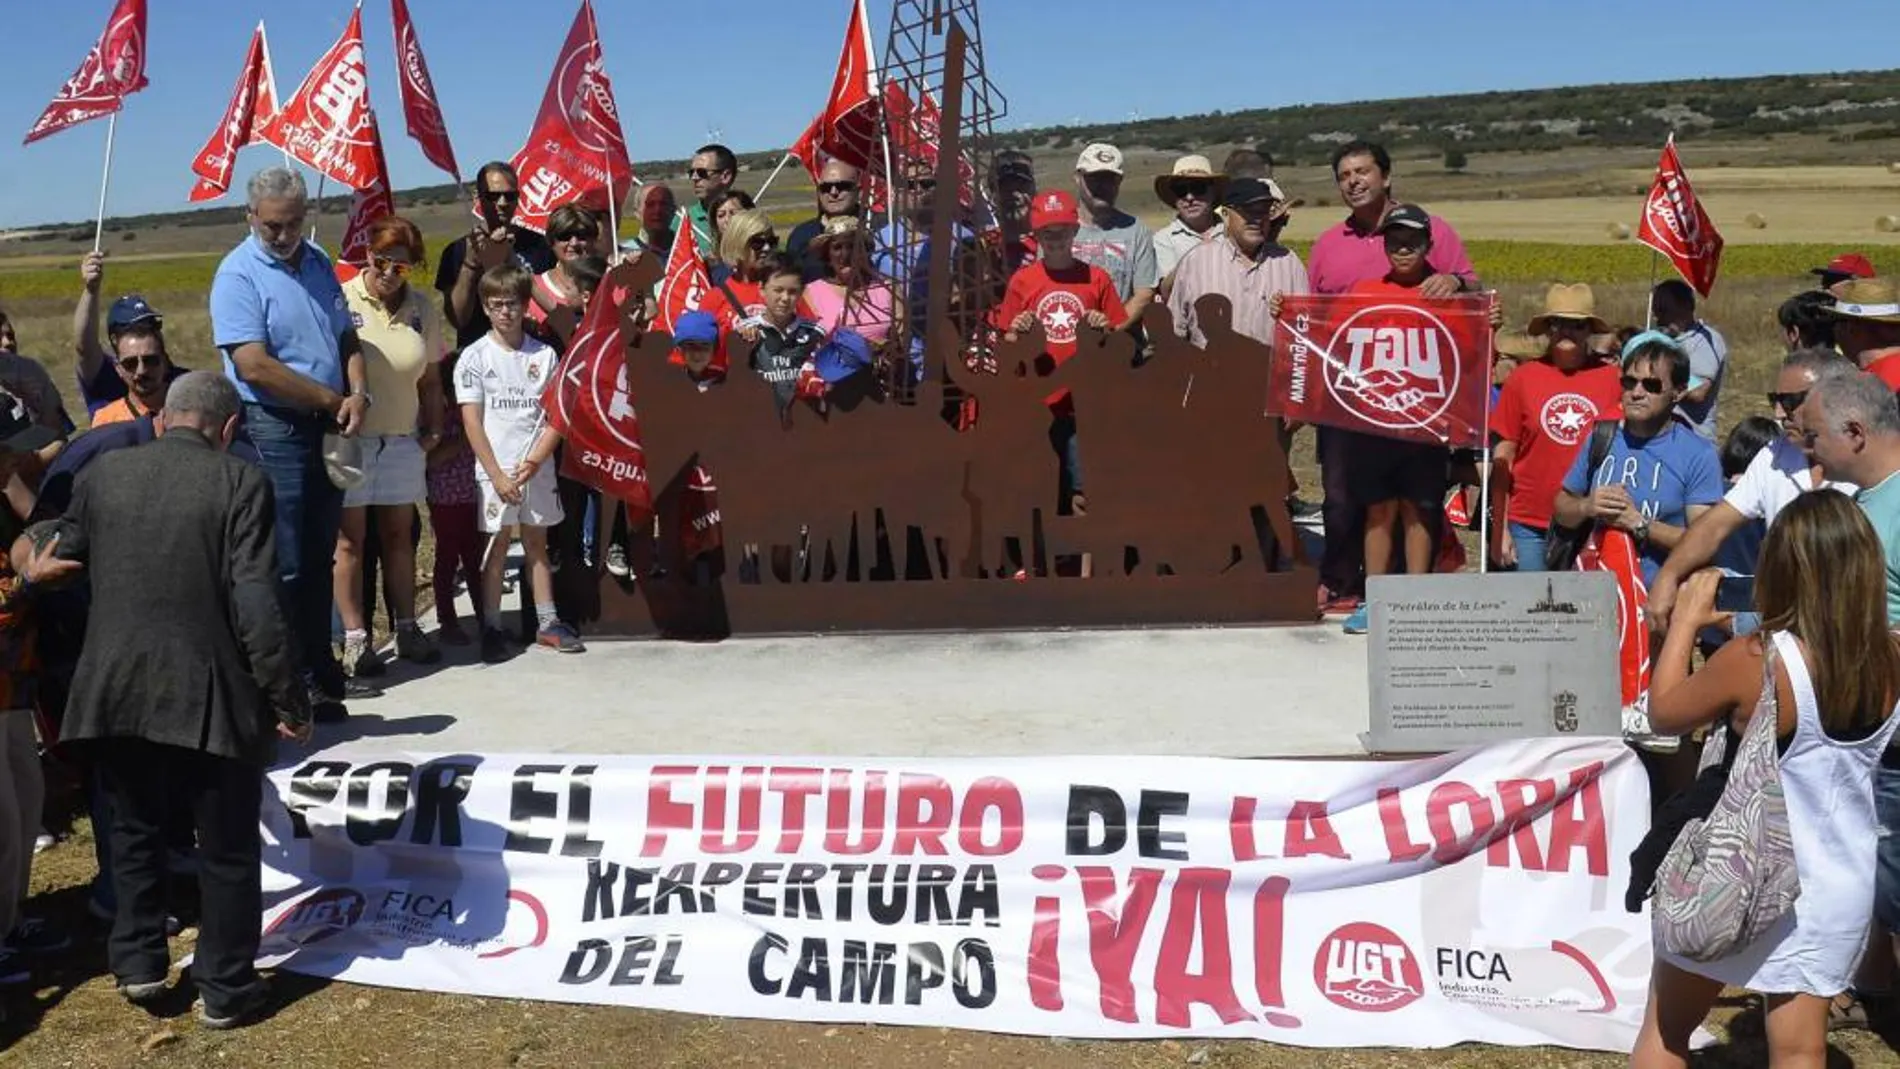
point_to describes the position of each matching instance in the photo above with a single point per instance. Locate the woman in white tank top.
(1820, 588)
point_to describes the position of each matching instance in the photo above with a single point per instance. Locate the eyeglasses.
(1198, 188)
(386, 266)
(763, 243)
(832, 189)
(1787, 402)
(503, 307)
(494, 196)
(1649, 385)
(700, 174)
(133, 363)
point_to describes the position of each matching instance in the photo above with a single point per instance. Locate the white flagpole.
(105, 182)
(773, 177)
(613, 210)
(317, 207)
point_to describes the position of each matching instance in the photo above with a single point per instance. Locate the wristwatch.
(368, 401)
(1641, 534)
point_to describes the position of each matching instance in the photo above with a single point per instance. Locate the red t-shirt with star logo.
(1061, 300)
(1550, 413)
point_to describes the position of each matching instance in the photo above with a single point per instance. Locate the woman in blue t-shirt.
(1657, 475)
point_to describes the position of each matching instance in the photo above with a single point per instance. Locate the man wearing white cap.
(1110, 238)
(1192, 189)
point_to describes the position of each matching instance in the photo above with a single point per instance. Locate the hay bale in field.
(1894, 167)
(1756, 221)
(1888, 224)
(1617, 232)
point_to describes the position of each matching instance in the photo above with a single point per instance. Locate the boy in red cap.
(1063, 294)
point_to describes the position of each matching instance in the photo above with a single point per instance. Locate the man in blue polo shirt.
(278, 315)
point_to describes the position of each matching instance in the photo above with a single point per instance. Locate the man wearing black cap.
(100, 383)
(1245, 264)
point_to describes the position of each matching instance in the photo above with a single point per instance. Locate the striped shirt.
(1218, 267)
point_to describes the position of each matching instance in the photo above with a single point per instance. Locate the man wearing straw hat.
(1193, 190)
(1866, 315)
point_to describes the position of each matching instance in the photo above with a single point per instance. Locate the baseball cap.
(1407, 217)
(1100, 157)
(1251, 191)
(1845, 266)
(343, 461)
(1015, 162)
(131, 309)
(19, 431)
(1053, 208)
(696, 328)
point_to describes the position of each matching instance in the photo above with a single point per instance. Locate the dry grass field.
(1555, 228)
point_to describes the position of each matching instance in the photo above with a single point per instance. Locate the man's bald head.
(838, 185)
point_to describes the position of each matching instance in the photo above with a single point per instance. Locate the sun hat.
(1574, 301)
(835, 227)
(1875, 300)
(1197, 167)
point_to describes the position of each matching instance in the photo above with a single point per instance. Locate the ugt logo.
(1393, 366)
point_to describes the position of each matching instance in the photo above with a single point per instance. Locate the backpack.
(1729, 877)
(1563, 544)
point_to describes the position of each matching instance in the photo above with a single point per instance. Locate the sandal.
(1846, 1012)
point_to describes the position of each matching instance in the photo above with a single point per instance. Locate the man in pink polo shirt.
(1343, 256)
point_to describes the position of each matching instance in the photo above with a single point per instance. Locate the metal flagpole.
(773, 177)
(105, 182)
(613, 210)
(317, 213)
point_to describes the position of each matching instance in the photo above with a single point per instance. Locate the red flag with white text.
(111, 71)
(686, 282)
(1412, 368)
(1612, 550)
(371, 202)
(847, 127)
(253, 102)
(421, 111)
(587, 404)
(326, 123)
(1675, 224)
(577, 150)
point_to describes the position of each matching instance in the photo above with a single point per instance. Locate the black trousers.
(144, 781)
(1342, 564)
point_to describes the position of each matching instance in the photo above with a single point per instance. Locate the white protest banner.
(1473, 897)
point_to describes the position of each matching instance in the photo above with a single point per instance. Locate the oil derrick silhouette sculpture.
(878, 511)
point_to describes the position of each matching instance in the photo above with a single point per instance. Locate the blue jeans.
(1069, 456)
(1887, 842)
(1530, 543)
(309, 511)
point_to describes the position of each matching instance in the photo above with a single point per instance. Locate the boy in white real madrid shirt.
(498, 383)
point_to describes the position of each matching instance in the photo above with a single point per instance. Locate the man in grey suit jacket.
(186, 680)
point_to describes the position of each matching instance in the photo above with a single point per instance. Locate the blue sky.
(759, 69)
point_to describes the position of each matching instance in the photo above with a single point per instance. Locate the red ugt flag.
(1398, 367)
(1675, 224)
(370, 203)
(1614, 551)
(253, 101)
(113, 70)
(326, 123)
(587, 404)
(577, 151)
(420, 109)
(686, 282)
(847, 128)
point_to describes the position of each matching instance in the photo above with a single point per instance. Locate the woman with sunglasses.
(1658, 475)
(402, 344)
(575, 233)
(746, 245)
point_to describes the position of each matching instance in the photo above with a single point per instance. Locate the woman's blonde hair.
(1822, 577)
(739, 232)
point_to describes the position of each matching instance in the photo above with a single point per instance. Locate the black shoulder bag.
(1565, 543)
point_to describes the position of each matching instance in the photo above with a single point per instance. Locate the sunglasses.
(832, 189)
(1787, 402)
(1197, 188)
(571, 235)
(921, 185)
(384, 266)
(763, 243)
(497, 197)
(1649, 385)
(700, 174)
(133, 363)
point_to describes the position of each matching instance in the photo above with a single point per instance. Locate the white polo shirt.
(1778, 474)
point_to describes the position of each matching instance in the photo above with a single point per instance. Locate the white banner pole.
(773, 177)
(105, 183)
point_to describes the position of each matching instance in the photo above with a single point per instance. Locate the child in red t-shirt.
(1545, 414)
(1064, 295)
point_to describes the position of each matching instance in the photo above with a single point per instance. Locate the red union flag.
(326, 123)
(253, 100)
(577, 151)
(372, 202)
(110, 72)
(1398, 367)
(1675, 224)
(587, 404)
(1611, 550)
(686, 283)
(420, 109)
